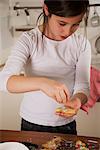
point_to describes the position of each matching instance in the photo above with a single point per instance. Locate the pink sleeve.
(94, 89)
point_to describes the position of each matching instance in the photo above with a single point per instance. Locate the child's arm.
(52, 88)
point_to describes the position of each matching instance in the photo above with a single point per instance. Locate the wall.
(89, 124)
(9, 111)
(9, 21)
(6, 39)
(21, 18)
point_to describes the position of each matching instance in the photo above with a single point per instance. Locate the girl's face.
(59, 28)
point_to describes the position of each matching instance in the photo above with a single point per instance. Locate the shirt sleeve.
(82, 76)
(19, 55)
(94, 89)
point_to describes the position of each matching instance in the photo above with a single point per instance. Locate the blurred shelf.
(2, 65)
(24, 28)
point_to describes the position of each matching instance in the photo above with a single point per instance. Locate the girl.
(56, 60)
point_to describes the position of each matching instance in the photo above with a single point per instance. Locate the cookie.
(66, 111)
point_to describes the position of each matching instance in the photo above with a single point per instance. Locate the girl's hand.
(54, 89)
(74, 103)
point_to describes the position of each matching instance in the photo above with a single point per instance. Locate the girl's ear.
(45, 8)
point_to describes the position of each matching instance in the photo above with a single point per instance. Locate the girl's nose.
(67, 31)
(70, 29)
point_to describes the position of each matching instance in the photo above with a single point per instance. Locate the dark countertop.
(38, 137)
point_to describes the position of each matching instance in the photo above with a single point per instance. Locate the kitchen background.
(12, 23)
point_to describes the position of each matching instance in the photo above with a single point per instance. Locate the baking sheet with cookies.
(49, 141)
(59, 143)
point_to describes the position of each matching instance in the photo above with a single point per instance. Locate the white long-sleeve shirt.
(67, 61)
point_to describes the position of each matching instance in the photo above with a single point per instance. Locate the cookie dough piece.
(66, 111)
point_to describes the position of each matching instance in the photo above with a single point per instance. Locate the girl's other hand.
(74, 103)
(54, 89)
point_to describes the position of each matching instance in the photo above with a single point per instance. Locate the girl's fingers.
(66, 92)
(63, 96)
(69, 104)
(58, 97)
(76, 104)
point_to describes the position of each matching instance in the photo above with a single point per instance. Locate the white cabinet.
(89, 124)
(6, 38)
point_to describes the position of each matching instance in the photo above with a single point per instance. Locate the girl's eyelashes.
(77, 24)
(74, 25)
(62, 24)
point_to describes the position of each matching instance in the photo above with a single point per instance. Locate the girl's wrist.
(40, 83)
(81, 97)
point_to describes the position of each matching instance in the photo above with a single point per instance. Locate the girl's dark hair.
(67, 8)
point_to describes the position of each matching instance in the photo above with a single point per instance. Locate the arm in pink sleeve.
(94, 89)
